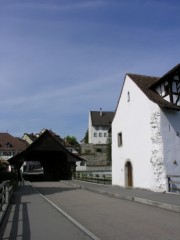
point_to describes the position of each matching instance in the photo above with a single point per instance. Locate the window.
(120, 142)
(100, 134)
(8, 145)
(128, 96)
(105, 134)
(6, 153)
(95, 134)
(98, 150)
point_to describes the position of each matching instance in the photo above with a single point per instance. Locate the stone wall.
(95, 154)
(157, 153)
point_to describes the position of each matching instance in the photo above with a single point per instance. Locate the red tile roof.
(10, 143)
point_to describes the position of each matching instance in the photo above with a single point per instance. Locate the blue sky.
(59, 59)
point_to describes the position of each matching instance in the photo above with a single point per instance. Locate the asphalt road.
(30, 217)
(110, 218)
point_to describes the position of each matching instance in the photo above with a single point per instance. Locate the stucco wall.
(89, 128)
(133, 120)
(151, 140)
(99, 139)
(170, 130)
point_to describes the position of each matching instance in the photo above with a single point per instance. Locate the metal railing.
(173, 183)
(6, 191)
(4, 194)
(96, 177)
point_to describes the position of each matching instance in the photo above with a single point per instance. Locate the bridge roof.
(46, 142)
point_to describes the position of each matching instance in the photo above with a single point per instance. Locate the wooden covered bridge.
(58, 163)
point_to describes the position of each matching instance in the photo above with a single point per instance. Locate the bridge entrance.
(57, 162)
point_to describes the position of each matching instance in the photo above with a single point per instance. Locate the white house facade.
(146, 131)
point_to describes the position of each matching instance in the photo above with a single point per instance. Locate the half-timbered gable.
(168, 86)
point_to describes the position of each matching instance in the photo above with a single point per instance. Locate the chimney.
(100, 112)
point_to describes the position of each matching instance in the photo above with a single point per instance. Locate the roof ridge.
(146, 86)
(142, 75)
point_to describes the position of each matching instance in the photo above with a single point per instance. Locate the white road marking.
(77, 224)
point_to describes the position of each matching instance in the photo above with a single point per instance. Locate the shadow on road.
(34, 177)
(16, 222)
(53, 190)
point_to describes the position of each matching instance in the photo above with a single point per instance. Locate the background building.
(98, 126)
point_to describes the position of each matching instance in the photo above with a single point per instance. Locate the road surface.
(110, 218)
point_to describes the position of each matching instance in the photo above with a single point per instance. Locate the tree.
(73, 141)
(86, 139)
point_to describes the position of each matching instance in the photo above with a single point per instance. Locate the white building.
(29, 138)
(99, 124)
(146, 131)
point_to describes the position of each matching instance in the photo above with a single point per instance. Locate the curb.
(153, 203)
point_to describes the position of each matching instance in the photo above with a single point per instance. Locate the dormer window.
(8, 145)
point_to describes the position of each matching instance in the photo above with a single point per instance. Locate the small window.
(7, 153)
(95, 134)
(128, 96)
(82, 164)
(120, 142)
(100, 134)
(105, 134)
(98, 150)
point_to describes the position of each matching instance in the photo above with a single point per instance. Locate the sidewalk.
(169, 201)
(30, 216)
